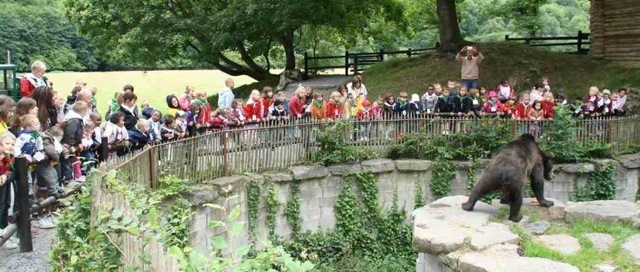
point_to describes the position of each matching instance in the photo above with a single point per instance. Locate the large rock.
(343, 169)
(443, 227)
(632, 246)
(537, 228)
(378, 165)
(277, 177)
(631, 161)
(308, 172)
(602, 210)
(577, 167)
(485, 262)
(413, 165)
(530, 206)
(562, 243)
(605, 268)
(600, 241)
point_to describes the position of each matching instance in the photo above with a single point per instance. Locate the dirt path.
(35, 261)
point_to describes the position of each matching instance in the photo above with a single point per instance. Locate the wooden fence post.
(305, 75)
(346, 63)
(24, 217)
(225, 154)
(381, 55)
(104, 149)
(409, 53)
(152, 167)
(579, 42)
(355, 64)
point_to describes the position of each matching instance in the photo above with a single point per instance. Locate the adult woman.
(6, 111)
(45, 99)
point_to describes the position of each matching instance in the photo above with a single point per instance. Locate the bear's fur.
(508, 171)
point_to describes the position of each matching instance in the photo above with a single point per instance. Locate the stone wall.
(320, 187)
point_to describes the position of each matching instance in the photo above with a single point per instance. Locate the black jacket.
(130, 118)
(74, 130)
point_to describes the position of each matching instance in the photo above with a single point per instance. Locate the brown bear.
(508, 171)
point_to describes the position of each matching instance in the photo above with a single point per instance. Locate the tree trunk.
(450, 37)
(287, 43)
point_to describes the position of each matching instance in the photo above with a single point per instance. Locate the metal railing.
(272, 146)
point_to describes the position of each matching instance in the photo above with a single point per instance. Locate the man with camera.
(470, 58)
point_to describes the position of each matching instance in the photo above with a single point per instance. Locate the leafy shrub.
(334, 149)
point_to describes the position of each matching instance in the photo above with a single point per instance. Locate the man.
(470, 58)
(226, 97)
(31, 81)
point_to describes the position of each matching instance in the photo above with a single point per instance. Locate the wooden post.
(305, 75)
(506, 37)
(409, 53)
(24, 218)
(346, 63)
(152, 167)
(225, 154)
(381, 55)
(579, 42)
(104, 149)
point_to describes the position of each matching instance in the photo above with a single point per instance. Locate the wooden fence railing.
(354, 62)
(271, 146)
(581, 40)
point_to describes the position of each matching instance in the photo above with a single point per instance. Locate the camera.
(469, 48)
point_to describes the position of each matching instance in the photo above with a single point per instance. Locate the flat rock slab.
(531, 206)
(631, 161)
(485, 262)
(565, 244)
(378, 165)
(612, 211)
(443, 227)
(600, 241)
(632, 246)
(413, 165)
(605, 268)
(308, 172)
(537, 228)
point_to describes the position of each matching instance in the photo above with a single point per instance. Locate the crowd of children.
(62, 141)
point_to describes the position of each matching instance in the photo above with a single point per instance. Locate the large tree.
(207, 31)
(450, 36)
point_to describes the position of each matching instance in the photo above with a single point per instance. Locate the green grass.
(572, 74)
(588, 256)
(152, 86)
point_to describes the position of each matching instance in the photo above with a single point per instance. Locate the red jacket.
(26, 87)
(218, 122)
(495, 108)
(254, 108)
(5, 165)
(547, 107)
(364, 114)
(266, 103)
(205, 114)
(334, 110)
(506, 108)
(521, 111)
(295, 106)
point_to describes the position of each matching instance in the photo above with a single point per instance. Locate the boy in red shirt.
(365, 115)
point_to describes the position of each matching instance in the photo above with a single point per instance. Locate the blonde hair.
(594, 88)
(548, 94)
(142, 122)
(28, 119)
(38, 65)
(7, 134)
(300, 90)
(89, 125)
(335, 95)
(80, 107)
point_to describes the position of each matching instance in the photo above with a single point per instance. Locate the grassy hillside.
(572, 74)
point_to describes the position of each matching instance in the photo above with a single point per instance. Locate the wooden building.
(615, 30)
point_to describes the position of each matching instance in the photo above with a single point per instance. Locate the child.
(493, 106)
(139, 136)
(334, 108)
(545, 83)
(377, 107)
(317, 108)
(465, 105)
(521, 111)
(72, 140)
(430, 99)
(483, 95)
(71, 99)
(254, 109)
(616, 106)
(509, 108)
(47, 176)
(414, 107)
(279, 113)
(560, 100)
(117, 135)
(401, 104)
(282, 96)
(186, 97)
(168, 129)
(7, 141)
(504, 91)
(536, 113)
(606, 105)
(220, 120)
(154, 127)
(87, 144)
(29, 144)
(365, 115)
(204, 112)
(24, 106)
(590, 106)
(114, 104)
(147, 111)
(267, 100)
(477, 105)
(389, 106)
(238, 117)
(443, 106)
(548, 105)
(438, 89)
(181, 124)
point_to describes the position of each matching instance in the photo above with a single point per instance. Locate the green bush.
(334, 149)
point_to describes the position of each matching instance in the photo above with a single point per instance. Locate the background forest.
(51, 30)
